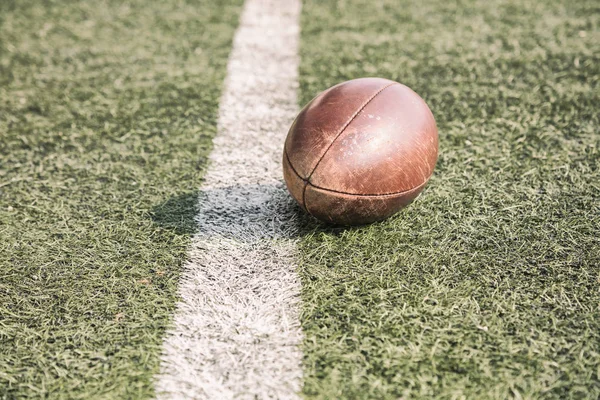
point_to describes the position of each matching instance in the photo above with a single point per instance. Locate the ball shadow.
(177, 213)
(246, 213)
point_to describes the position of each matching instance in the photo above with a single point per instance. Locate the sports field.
(486, 287)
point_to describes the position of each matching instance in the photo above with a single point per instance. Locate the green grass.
(106, 113)
(488, 286)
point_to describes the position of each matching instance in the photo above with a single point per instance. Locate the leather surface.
(345, 209)
(360, 151)
(294, 183)
(323, 118)
(391, 146)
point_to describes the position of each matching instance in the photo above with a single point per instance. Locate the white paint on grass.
(236, 332)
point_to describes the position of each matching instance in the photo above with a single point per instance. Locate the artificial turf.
(107, 109)
(488, 286)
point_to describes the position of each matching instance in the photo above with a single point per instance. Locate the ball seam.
(300, 177)
(391, 194)
(362, 107)
(307, 182)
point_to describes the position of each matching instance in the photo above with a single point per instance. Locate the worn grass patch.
(106, 114)
(488, 285)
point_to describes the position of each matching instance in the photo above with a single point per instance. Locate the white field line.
(236, 332)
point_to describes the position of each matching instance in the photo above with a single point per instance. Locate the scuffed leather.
(360, 151)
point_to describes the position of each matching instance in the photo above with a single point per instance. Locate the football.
(360, 151)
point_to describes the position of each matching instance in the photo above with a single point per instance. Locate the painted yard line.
(236, 331)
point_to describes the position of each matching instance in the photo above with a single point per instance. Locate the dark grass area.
(488, 285)
(106, 113)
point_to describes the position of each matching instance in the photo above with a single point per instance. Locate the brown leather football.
(360, 151)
